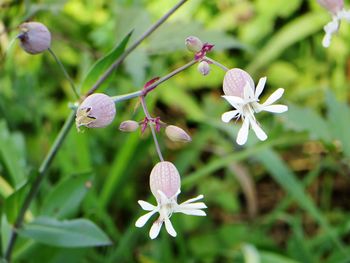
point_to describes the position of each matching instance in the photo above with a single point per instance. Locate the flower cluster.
(165, 186)
(336, 9)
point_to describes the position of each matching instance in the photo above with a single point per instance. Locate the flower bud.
(35, 37)
(193, 44)
(234, 82)
(333, 6)
(164, 177)
(176, 134)
(129, 126)
(96, 111)
(204, 68)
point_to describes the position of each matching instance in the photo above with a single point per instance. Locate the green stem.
(133, 46)
(64, 72)
(148, 116)
(216, 63)
(38, 180)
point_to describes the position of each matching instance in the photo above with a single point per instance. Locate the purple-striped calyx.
(96, 111)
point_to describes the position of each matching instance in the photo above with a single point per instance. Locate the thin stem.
(145, 110)
(170, 75)
(133, 46)
(216, 63)
(144, 92)
(64, 72)
(38, 180)
(127, 96)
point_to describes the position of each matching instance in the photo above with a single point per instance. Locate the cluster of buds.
(195, 45)
(174, 133)
(165, 186)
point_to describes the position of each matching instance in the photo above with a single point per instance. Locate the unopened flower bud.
(96, 111)
(129, 126)
(234, 82)
(165, 178)
(333, 6)
(193, 44)
(204, 68)
(35, 37)
(177, 134)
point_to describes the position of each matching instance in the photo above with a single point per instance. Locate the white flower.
(336, 8)
(241, 93)
(165, 186)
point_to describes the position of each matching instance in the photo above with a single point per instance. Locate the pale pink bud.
(332, 6)
(193, 44)
(204, 68)
(129, 126)
(165, 178)
(35, 37)
(177, 134)
(234, 82)
(96, 111)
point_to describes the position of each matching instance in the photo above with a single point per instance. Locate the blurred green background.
(280, 201)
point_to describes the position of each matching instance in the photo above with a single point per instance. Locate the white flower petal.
(143, 219)
(332, 26)
(193, 199)
(163, 198)
(229, 115)
(243, 132)
(155, 229)
(326, 41)
(273, 97)
(258, 131)
(199, 205)
(277, 108)
(260, 87)
(248, 92)
(146, 206)
(233, 100)
(169, 227)
(344, 14)
(193, 212)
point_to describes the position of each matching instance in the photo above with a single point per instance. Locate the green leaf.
(286, 178)
(67, 233)
(65, 198)
(338, 117)
(103, 64)
(5, 233)
(13, 203)
(305, 119)
(290, 34)
(270, 257)
(12, 154)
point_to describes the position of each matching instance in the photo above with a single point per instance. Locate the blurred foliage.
(284, 200)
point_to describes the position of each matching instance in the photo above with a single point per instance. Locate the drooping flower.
(96, 111)
(336, 9)
(241, 93)
(35, 37)
(165, 186)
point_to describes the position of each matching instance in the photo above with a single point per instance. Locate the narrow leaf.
(103, 64)
(67, 233)
(65, 198)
